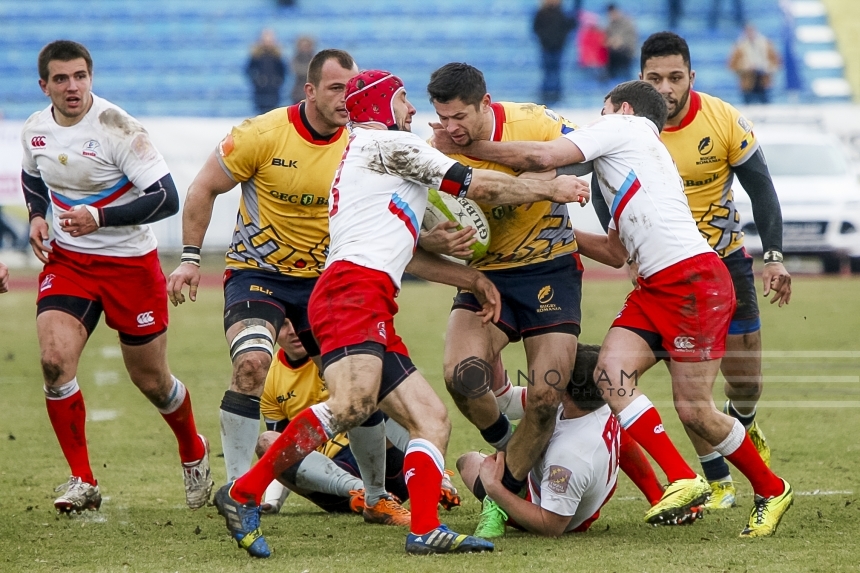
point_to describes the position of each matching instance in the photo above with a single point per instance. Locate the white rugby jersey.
(379, 196)
(106, 159)
(579, 468)
(645, 194)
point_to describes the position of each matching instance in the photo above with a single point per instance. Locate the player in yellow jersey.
(532, 261)
(711, 143)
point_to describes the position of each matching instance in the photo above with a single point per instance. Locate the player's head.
(582, 388)
(458, 92)
(636, 98)
(665, 64)
(325, 89)
(379, 97)
(289, 341)
(66, 76)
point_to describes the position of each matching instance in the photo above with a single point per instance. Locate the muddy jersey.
(523, 234)
(104, 160)
(712, 138)
(285, 174)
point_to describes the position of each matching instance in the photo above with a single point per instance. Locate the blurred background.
(190, 69)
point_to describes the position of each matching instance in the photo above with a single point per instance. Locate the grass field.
(810, 412)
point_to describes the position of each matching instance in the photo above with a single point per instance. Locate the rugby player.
(711, 143)
(328, 477)
(285, 161)
(98, 170)
(531, 259)
(681, 308)
(378, 197)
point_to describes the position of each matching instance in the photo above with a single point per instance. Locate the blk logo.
(38, 141)
(285, 162)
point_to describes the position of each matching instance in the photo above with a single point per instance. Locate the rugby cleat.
(443, 540)
(767, 513)
(243, 521)
(723, 495)
(492, 521)
(79, 496)
(198, 479)
(689, 517)
(449, 497)
(387, 511)
(678, 499)
(756, 435)
(356, 501)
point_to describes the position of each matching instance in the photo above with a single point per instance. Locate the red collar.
(295, 117)
(498, 121)
(695, 106)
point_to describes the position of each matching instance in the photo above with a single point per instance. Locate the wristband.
(190, 254)
(773, 257)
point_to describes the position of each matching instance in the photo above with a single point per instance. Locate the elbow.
(541, 161)
(618, 261)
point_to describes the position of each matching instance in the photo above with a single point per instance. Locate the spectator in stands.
(622, 42)
(305, 50)
(552, 26)
(591, 43)
(755, 60)
(715, 13)
(267, 71)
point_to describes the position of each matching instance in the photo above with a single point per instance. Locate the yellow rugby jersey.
(288, 391)
(712, 138)
(286, 175)
(523, 234)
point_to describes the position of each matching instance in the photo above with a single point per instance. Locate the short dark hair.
(582, 388)
(664, 44)
(320, 58)
(644, 98)
(457, 81)
(64, 51)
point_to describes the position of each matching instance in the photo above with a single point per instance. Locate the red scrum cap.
(370, 97)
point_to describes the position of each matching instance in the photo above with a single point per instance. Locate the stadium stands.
(186, 57)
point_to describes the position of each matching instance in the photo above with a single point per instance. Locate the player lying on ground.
(378, 199)
(681, 308)
(97, 168)
(330, 476)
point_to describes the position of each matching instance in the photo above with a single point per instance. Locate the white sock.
(512, 400)
(633, 410)
(318, 473)
(238, 440)
(176, 398)
(368, 446)
(275, 496)
(733, 441)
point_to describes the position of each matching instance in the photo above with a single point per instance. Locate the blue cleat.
(243, 521)
(443, 540)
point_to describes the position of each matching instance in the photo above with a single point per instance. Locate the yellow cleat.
(723, 495)
(760, 442)
(678, 499)
(768, 512)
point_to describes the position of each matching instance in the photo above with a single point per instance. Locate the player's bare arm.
(607, 249)
(210, 182)
(495, 188)
(4, 278)
(433, 268)
(444, 240)
(529, 515)
(753, 174)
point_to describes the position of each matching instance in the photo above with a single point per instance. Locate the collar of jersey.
(295, 117)
(695, 106)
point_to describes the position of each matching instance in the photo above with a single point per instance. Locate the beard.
(680, 104)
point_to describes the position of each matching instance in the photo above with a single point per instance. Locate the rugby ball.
(465, 212)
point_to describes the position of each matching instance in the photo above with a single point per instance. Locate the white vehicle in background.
(819, 192)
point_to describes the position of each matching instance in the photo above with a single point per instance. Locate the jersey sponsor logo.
(47, 282)
(706, 145)
(226, 146)
(281, 398)
(38, 141)
(265, 291)
(658, 429)
(745, 125)
(91, 148)
(559, 478)
(303, 199)
(544, 297)
(277, 161)
(145, 319)
(698, 182)
(685, 342)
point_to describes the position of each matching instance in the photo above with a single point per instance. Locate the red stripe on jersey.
(499, 115)
(59, 203)
(634, 187)
(295, 117)
(695, 106)
(113, 196)
(400, 214)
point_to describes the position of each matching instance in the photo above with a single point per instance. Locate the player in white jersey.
(576, 474)
(378, 199)
(681, 308)
(104, 180)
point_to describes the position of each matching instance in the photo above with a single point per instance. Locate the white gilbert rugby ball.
(444, 207)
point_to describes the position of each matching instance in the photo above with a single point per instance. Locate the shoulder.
(36, 119)
(526, 112)
(269, 124)
(716, 108)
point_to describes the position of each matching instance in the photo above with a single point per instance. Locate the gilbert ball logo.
(145, 319)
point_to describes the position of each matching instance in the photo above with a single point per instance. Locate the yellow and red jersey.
(290, 390)
(712, 138)
(523, 234)
(286, 175)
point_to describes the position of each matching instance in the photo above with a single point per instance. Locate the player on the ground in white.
(681, 308)
(97, 168)
(378, 199)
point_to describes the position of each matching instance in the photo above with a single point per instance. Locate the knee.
(352, 414)
(471, 377)
(264, 442)
(249, 371)
(543, 406)
(52, 368)
(692, 417)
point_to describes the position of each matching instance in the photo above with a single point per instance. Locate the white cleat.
(198, 479)
(79, 496)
